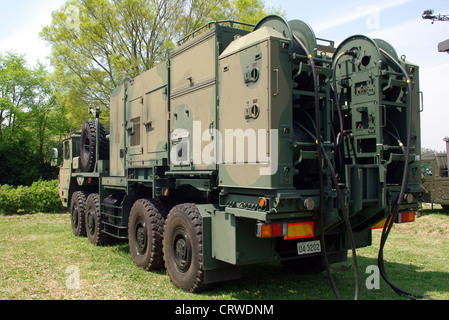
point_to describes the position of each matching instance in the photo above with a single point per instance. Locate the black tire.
(89, 144)
(93, 221)
(183, 247)
(77, 212)
(145, 231)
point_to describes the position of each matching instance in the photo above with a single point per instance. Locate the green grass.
(37, 250)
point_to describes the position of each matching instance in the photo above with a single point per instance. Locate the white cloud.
(25, 39)
(367, 11)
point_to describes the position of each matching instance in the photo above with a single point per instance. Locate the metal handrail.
(209, 25)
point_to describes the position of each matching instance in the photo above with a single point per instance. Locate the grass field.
(41, 259)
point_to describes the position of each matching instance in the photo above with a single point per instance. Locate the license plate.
(309, 247)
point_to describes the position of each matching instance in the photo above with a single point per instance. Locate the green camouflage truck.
(435, 177)
(250, 144)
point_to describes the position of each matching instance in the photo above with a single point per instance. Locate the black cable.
(334, 82)
(394, 128)
(343, 133)
(397, 139)
(390, 220)
(343, 206)
(338, 157)
(320, 167)
(350, 138)
(310, 118)
(337, 187)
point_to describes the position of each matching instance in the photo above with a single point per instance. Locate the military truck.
(435, 179)
(250, 144)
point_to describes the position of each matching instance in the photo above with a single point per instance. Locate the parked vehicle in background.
(435, 177)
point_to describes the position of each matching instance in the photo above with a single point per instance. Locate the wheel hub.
(75, 216)
(91, 222)
(141, 237)
(182, 250)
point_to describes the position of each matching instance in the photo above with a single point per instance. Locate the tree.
(17, 85)
(429, 151)
(97, 43)
(31, 122)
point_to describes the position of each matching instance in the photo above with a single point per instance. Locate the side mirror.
(54, 157)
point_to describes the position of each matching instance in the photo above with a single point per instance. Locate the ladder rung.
(115, 226)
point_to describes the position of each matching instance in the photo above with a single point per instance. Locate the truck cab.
(70, 151)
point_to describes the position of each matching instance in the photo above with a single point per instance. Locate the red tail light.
(405, 216)
(287, 230)
(271, 230)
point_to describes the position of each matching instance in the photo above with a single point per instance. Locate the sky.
(20, 24)
(398, 22)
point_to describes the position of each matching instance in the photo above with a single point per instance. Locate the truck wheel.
(93, 220)
(183, 247)
(89, 144)
(145, 229)
(77, 212)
